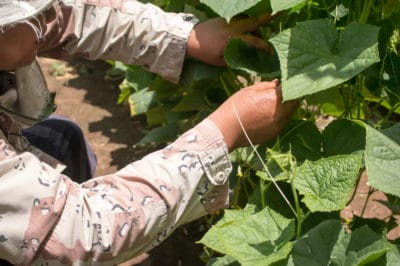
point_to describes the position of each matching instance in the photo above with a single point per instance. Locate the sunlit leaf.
(327, 183)
(278, 5)
(314, 56)
(229, 8)
(243, 240)
(141, 101)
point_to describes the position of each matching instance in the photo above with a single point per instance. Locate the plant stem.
(366, 11)
(300, 224)
(299, 215)
(326, 8)
(263, 189)
(370, 191)
(225, 86)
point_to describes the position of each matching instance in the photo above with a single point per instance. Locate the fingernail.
(276, 81)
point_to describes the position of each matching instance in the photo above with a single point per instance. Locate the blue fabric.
(63, 139)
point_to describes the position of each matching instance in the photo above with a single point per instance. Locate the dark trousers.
(63, 139)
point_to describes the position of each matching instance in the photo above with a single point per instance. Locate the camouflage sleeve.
(123, 30)
(107, 220)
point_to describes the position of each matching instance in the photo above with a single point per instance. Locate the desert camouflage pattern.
(45, 218)
(124, 30)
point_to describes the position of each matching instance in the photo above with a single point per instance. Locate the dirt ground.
(86, 97)
(83, 95)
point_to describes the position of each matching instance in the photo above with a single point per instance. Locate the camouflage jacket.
(46, 219)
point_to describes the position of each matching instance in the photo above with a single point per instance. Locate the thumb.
(256, 42)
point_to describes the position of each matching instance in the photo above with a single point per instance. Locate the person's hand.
(260, 110)
(208, 39)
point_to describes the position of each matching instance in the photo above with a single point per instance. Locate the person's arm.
(48, 218)
(123, 30)
(143, 34)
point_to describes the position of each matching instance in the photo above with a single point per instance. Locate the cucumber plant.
(340, 58)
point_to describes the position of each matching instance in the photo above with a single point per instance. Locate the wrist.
(228, 130)
(192, 47)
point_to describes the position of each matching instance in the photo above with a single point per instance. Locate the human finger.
(256, 42)
(252, 23)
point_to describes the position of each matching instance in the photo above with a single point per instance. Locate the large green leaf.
(314, 247)
(327, 183)
(278, 5)
(314, 56)
(240, 55)
(258, 239)
(382, 159)
(229, 8)
(303, 139)
(360, 247)
(223, 261)
(393, 256)
(393, 133)
(328, 244)
(343, 136)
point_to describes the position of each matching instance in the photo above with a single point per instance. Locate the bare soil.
(87, 98)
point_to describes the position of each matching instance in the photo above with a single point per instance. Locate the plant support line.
(262, 162)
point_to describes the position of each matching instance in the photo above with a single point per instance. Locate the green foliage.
(314, 56)
(328, 244)
(341, 59)
(382, 157)
(327, 183)
(242, 239)
(228, 8)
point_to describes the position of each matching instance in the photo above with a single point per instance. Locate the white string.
(262, 161)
